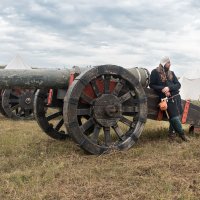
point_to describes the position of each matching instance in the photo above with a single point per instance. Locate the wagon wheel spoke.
(118, 87)
(88, 124)
(15, 107)
(53, 116)
(125, 97)
(59, 125)
(26, 112)
(130, 109)
(126, 121)
(84, 111)
(86, 98)
(20, 112)
(16, 111)
(95, 88)
(13, 101)
(118, 131)
(107, 136)
(106, 84)
(95, 134)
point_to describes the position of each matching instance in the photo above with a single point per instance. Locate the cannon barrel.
(141, 74)
(34, 78)
(51, 78)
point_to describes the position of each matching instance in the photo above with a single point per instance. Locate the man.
(166, 84)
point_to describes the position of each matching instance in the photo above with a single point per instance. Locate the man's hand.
(167, 94)
(165, 90)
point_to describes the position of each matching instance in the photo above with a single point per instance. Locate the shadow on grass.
(51, 147)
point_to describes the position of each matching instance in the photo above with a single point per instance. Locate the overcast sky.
(89, 32)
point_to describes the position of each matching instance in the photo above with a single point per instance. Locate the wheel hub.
(28, 100)
(25, 100)
(107, 110)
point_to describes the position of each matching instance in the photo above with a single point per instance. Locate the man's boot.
(184, 138)
(175, 122)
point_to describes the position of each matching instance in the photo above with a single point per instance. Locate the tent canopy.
(190, 88)
(17, 63)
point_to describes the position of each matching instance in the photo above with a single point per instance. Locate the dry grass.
(196, 102)
(34, 166)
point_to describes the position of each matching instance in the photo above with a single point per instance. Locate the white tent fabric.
(192, 74)
(17, 63)
(190, 88)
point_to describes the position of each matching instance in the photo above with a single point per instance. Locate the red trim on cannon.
(71, 78)
(50, 96)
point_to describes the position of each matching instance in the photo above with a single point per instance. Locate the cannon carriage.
(101, 108)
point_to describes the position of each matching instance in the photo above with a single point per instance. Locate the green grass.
(34, 166)
(196, 103)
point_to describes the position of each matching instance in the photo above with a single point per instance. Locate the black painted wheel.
(18, 103)
(1, 108)
(112, 103)
(49, 117)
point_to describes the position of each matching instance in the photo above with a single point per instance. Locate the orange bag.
(163, 104)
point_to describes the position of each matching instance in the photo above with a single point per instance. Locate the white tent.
(17, 63)
(190, 88)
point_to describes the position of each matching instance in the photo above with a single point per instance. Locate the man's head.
(165, 62)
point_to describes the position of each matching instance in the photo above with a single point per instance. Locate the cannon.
(102, 108)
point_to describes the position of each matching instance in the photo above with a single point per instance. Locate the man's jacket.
(156, 83)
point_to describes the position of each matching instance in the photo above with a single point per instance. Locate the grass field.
(34, 166)
(196, 103)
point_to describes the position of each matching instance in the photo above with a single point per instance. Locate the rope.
(167, 98)
(172, 96)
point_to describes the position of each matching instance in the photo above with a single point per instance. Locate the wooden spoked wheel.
(48, 116)
(110, 102)
(18, 103)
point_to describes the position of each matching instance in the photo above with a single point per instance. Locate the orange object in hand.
(163, 104)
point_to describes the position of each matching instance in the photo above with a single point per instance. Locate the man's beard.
(166, 69)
